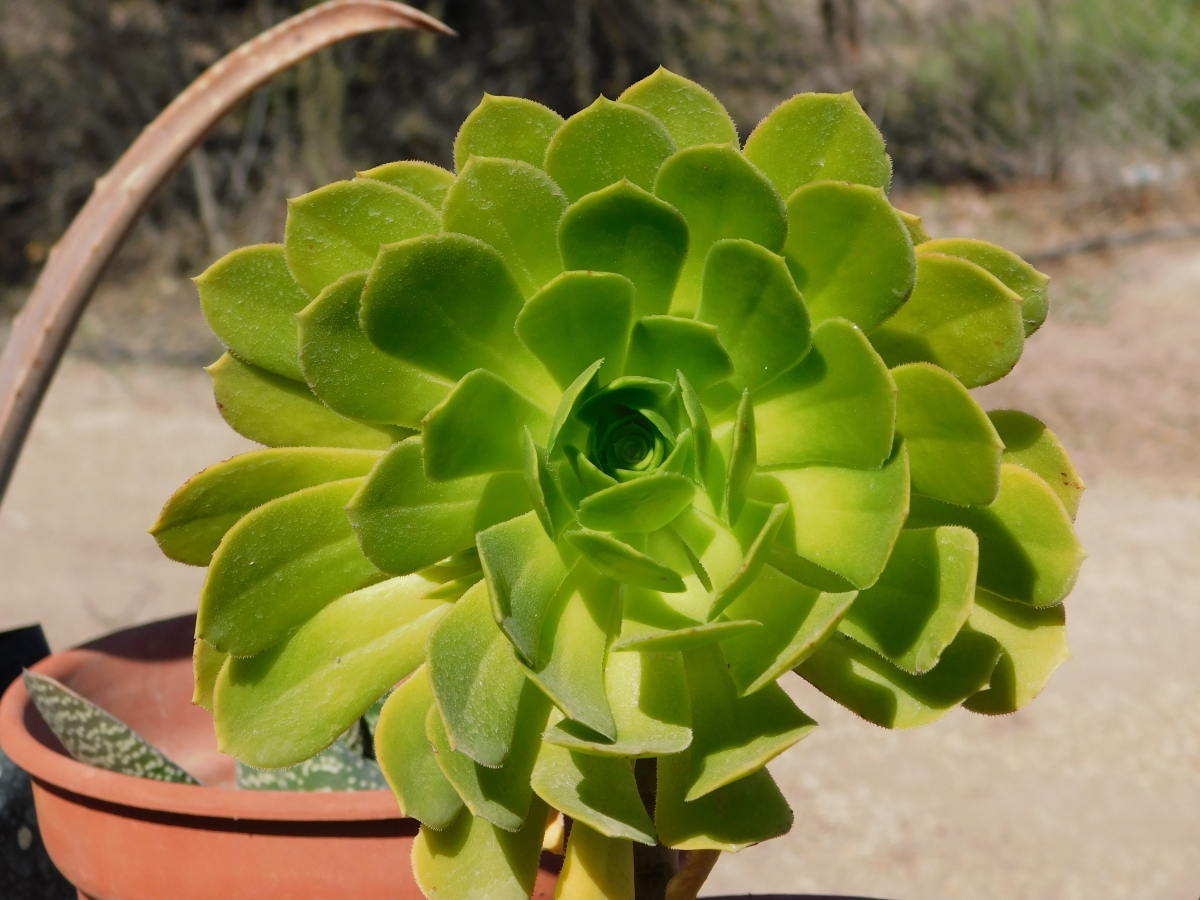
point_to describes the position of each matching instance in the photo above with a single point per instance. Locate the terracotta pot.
(122, 838)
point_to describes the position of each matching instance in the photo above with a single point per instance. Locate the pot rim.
(46, 764)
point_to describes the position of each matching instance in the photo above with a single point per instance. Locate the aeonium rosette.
(587, 445)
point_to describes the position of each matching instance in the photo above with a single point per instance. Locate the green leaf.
(953, 448)
(914, 226)
(293, 700)
(760, 316)
(663, 346)
(564, 427)
(596, 791)
(576, 319)
(720, 196)
(279, 566)
(837, 406)
(407, 758)
(757, 552)
(339, 228)
(525, 570)
(869, 686)
(1016, 274)
(625, 229)
(447, 303)
(690, 112)
(406, 522)
(480, 428)
(476, 680)
(734, 736)
(421, 179)
(849, 252)
(514, 207)
(96, 737)
(596, 866)
(916, 608)
(819, 137)
(794, 619)
(742, 460)
(279, 412)
(544, 493)
(655, 622)
(635, 391)
(1028, 551)
(339, 767)
(619, 561)
(712, 550)
(1029, 443)
(844, 520)
(648, 693)
(472, 859)
(1033, 645)
(645, 504)
(959, 317)
(250, 301)
(574, 644)
(207, 661)
(604, 143)
(731, 818)
(198, 515)
(508, 127)
(500, 795)
(701, 436)
(353, 376)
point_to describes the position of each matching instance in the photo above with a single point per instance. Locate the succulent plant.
(589, 444)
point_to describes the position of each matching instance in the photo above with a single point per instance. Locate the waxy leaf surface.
(690, 112)
(748, 811)
(1016, 274)
(508, 127)
(1029, 443)
(645, 504)
(595, 867)
(663, 346)
(421, 179)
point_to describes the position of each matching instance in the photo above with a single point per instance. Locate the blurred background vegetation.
(988, 92)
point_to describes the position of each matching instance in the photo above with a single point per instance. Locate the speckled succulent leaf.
(339, 767)
(1028, 551)
(1033, 645)
(721, 196)
(290, 701)
(597, 791)
(627, 230)
(350, 374)
(1029, 443)
(648, 693)
(421, 179)
(734, 736)
(953, 448)
(407, 758)
(508, 128)
(279, 412)
(576, 319)
(867, 684)
(340, 227)
(922, 599)
(760, 317)
(500, 795)
(849, 252)
(747, 811)
(793, 619)
(837, 406)
(819, 137)
(691, 113)
(514, 207)
(278, 566)
(959, 317)
(96, 737)
(198, 515)
(1016, 274)
(605, 143)
(472, 859)
(207, 661)
(405, 521)
(250, 299)
(596, 867)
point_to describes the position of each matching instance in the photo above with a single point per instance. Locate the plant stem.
(653, 867)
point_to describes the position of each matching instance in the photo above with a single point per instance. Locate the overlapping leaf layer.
(592, 442)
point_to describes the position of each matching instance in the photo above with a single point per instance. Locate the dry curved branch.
(44, 326)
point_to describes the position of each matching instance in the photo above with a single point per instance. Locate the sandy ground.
(1093, 792)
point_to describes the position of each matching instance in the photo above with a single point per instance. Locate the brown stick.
(43, 328)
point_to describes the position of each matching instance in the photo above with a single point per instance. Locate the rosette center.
(626, 443)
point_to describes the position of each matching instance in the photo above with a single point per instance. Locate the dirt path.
(1094, 792)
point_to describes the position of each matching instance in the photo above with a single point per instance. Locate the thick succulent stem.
(653, 867)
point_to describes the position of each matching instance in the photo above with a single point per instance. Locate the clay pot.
(121, 838)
